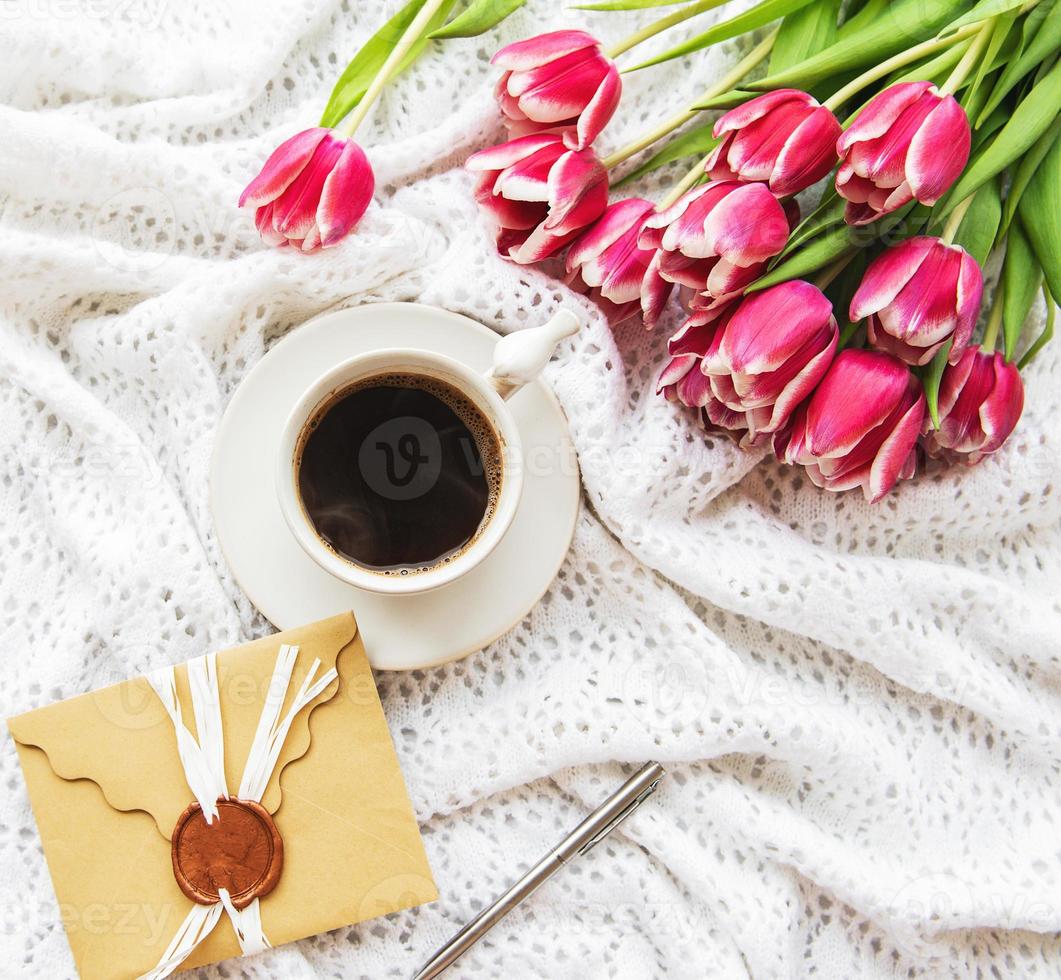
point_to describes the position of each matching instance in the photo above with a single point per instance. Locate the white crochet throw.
(860, 706)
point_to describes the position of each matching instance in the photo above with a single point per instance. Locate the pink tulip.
(908, 143)
(769, 352)
(785, 138)
(917, 295)
(717, 238)
(980, 401)
(311, 192)
(615, 270)
(683, 382)
(539, 194)
(560, 79)
(859, 427)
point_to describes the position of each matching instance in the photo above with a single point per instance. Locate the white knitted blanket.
(861, 707)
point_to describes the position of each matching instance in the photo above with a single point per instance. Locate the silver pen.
(601, 822)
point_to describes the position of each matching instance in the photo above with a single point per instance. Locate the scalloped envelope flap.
(121, 738)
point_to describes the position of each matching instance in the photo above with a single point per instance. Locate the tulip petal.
(559, 90)
(655, 291)
(295, 211)
(970, 290)
(808, 154)
(676, 369)
(285, 163)
(887, 275)
(754, 109)
(534, 51)
(924, 311)
(938, 151)
(504, 155)
(1000, 412)
(753, 150)
(857, 394)
(893, 456)
(346, 195)
(771, 325)
(880, 113)
(598, 111)
(578, 191)
(616, 221)
(746, 226)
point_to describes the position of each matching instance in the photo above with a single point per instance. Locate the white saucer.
(290, 589)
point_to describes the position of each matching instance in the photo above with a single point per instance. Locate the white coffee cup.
(518, 359)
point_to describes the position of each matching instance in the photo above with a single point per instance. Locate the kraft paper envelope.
(107, 788)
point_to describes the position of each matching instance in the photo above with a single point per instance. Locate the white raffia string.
(247, 924)
(203, 760)
(197, 925)
(204, 769)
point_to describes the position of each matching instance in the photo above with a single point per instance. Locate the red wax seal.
(240, 851)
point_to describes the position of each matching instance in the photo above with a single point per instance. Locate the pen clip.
(621, 816)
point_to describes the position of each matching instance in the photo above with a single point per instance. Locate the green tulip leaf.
(815, 255)
(893, 29)
(804, 32)
(1027, 167)
(1040, 214)
(981, 11)
(1040, 38)
(356, 79)
(1031, 118)
(976, 96)
(1046, 336)
(829, 214)
(1021, 279)
(728, 100)
(694, 142)
(758, 16)
(979, 226)
(479, 17)
(629, 4)
(931, 379)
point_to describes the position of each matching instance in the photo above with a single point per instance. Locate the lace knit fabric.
(860, 707)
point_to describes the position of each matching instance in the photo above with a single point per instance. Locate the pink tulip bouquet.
(848, 342)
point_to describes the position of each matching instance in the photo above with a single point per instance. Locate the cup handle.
(520, 357)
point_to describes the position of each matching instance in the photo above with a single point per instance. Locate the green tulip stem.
(830, 272)
(916, 53)
(994, 321)
(724, 84)
(390, 67)
(964, 67)
(658, 26)
(684, 184)
(954, 221)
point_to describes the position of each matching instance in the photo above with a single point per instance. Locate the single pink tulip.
(769, 353)
(785, 138)
(981, 398)
(683, 382)
(909, 143)
(614, 269)
(717, 238)
(860, 426)
(558, 80)
(539, 194)
(311, 192)
(917, 295)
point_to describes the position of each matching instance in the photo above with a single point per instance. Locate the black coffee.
(399, 473)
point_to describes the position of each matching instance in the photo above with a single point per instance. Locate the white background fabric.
(861, 707)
